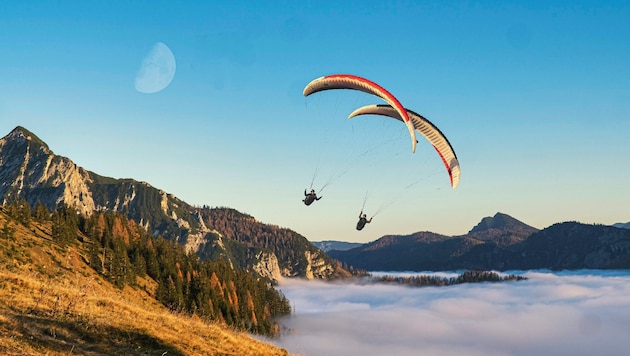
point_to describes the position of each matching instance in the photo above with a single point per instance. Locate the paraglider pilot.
(310, 197)
(362, 221)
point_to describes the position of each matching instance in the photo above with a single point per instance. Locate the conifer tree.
(40, 213)
(7, 232)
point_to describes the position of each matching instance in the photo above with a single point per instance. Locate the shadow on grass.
(84, 338)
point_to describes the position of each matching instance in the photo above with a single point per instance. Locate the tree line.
(431, 280)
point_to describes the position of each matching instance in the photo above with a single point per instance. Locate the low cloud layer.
(573, 313)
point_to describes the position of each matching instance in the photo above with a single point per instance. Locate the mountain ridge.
(497, 244)
(29, 169)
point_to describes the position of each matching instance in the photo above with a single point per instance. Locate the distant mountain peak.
(329, 245)
(499, 221)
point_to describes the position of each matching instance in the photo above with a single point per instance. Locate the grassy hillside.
(52, 302)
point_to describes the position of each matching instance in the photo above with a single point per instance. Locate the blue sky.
(534, 97)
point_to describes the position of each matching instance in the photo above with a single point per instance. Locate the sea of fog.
(583, 312)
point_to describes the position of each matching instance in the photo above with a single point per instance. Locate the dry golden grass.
(52, 303)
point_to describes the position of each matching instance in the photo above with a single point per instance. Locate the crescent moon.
(157, 69)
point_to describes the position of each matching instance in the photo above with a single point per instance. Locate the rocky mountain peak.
(21, 135)
(499, 221)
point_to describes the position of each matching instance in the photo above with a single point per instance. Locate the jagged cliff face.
(30, 170)
(29, 166)
(317, 267)
(313, 266)
(267, 266)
